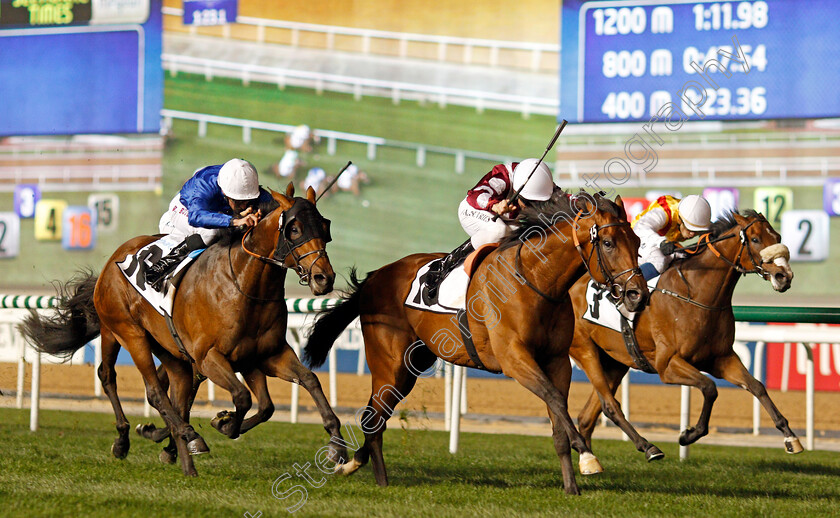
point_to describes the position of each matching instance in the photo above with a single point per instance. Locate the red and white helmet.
(540, 186)
(238, 180)
(695, 213)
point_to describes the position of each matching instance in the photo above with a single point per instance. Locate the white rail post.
(211, 392)
(447, 396)
(35, 398)
(625, 401)
(758, 373)
(685, 415)
(333, 377)
(147, 407)
(463, 391)
(809, 397)
(97, 361)
(293, 418)
(455, 420)
(21, 370)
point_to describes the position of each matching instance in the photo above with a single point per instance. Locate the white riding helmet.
(695, 212)
(539, 187)
(238, 180)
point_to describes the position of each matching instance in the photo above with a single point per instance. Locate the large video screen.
(624, 60)
(84, 66)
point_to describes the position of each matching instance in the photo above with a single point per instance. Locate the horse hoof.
(118, 450)
(685, 438)
(349, 468)
(589, 464)
(197, 446)
(654, 453)
(145, 430)
(793, 446)
(167, 458)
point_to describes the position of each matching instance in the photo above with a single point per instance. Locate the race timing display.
(769, 59)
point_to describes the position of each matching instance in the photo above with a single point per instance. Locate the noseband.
(314, 226)
(736, 263)
(616, 290)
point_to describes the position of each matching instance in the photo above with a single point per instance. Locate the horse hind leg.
(392, 381)
(149, 430)
(108, 378)
(732, 370)
(286, 365)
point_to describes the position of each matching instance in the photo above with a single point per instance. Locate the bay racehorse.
(688, 327)
(229, 311)
(519, 317)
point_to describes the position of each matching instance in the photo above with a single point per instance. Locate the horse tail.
(331, 322)
(74, 322)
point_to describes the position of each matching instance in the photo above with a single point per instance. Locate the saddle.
(452, 292)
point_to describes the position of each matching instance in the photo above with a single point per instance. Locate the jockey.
(315, 178)
(663, 224)
(288, 164)
(216, 197)
(480, 210)
(301, 139)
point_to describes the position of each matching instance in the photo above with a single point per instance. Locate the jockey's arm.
(200, 215)
(649, 225)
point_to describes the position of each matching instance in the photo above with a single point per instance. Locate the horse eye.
(755, 240)
(608, 243)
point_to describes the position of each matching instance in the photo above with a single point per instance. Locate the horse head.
(609, 248)
(300, 235)
(759, 249)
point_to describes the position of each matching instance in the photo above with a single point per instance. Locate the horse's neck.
(555, 267)
(254, 277)
(707, 273)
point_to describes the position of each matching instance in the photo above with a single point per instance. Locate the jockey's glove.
(668, 247)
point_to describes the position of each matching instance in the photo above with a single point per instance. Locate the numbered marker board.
(26, 196)
(656, 194)
(79, 228)
(805, 232)
(773, 202)
(9, 235)
(831, 196)
(722, 200)
(634, 206)
(107, 210)
(48, 219)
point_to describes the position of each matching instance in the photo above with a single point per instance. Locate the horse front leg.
(732, 370)
(286, 365)
(680, 372)
(217, 368)
(256, 381)
(521, 366)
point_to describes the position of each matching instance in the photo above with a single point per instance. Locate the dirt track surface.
(489, 402)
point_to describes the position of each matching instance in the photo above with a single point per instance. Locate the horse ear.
(620, 203)
(290, 190)
(280, 198)
(310, 195)
(741, 220)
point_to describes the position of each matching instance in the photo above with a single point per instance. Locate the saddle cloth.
(452, 292)
(134, 268)
(604, 312)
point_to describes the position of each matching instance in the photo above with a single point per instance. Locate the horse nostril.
(633, 295)
(319, 278)
(781, 278)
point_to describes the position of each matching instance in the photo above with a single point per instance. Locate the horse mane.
(727, 222)
(233, 235)
(560, 202)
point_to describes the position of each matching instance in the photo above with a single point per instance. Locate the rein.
(707, 242)
(287, 247)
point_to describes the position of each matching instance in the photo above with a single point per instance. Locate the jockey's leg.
(156, 273)
(652, 261)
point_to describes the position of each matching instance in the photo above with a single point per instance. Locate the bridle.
(611, 280)
(706, 241)
(616, 290)
(314, 226)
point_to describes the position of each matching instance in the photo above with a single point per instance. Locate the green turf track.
(65, 469)
(410, 209)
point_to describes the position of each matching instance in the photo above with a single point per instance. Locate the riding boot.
(440, 269)
(156, 273)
